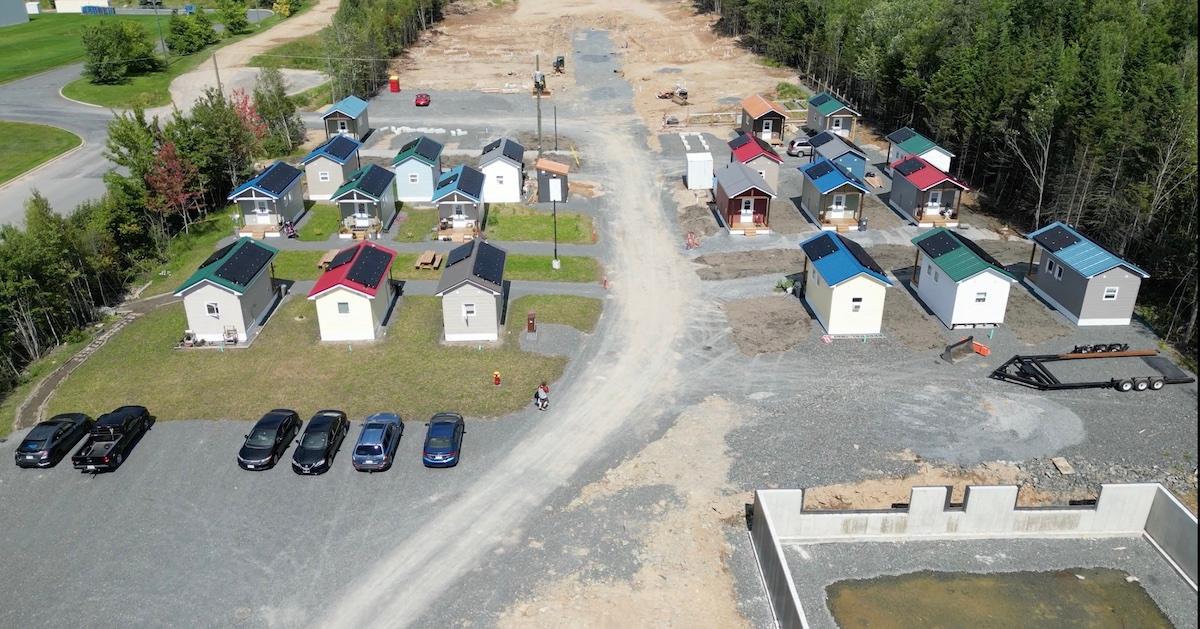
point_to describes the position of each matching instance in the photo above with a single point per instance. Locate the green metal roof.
(964, 260)
(830, 104)
(916, 145)
(208, 270)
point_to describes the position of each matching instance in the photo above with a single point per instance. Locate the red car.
(422, 100)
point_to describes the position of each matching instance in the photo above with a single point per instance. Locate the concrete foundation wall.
(777, 579)
(1173, 529)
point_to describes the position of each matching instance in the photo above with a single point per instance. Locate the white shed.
(843, 285)
(700, 171)
(76, 6)
(959, 282)
(472, 292)
(355, 295)
(231, 293)
(503, 168)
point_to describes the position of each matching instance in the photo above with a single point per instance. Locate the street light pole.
(161, 42)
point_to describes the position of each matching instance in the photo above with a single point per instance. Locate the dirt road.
(232, 59)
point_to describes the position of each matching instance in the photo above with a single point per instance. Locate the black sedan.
(269, 439)
(322, 438)
(52, 439)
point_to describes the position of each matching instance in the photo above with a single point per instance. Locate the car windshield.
(439, 442)
(261, 438)
(314, 440)
(368, 450)
(31, 446)
(41, 433)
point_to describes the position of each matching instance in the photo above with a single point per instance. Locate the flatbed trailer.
(1034, 370)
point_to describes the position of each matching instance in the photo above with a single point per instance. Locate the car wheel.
(118, 459)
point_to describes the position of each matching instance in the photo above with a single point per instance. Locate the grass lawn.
(153, 89)
(34, 373)
(415, 225)
(306, 53)
(581, 313)
(322, 223)
(51, 40)
(295, 264)
(515, 223)
(519, 266)
(24, 146)
(314, 97)
(412, 372)
(185, 253)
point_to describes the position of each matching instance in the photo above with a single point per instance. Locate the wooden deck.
(840, 224)
(259, 232)
(461, 234)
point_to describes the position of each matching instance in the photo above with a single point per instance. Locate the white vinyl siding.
(345, 315)
(501, 182)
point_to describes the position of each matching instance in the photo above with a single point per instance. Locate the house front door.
(747, 213)
(935, 200)
(837, 209)
(768, 129)
(261, 214)
(343, 126)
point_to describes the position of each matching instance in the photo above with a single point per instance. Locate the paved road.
(72, 179)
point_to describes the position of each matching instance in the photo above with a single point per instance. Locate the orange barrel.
(393, 83)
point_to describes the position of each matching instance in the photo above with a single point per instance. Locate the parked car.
(111, 438)
(322, 438)
(269, 439)
(49, 441)
(800, 145)
(377, 442)
(422, 100)
(150, 3)
(443, 440)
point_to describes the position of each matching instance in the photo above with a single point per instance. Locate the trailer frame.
(1033, 371)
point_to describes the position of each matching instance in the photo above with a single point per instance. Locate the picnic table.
(428, 260)
(326, 259)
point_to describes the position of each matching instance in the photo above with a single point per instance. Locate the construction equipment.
(1034, 371)
(679, 95)
(539, 82)
(560, 64)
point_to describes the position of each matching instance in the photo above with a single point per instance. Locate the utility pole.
(556, 127)
(537, 87)
(554, 212)
(217, 72)
(161, 42)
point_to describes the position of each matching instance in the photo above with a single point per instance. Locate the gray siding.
(338, 173)
(811, 198)
(13, 12)
(904, 195)
(485, 325)
(1083, 298)
(357, 128)
(289, 207)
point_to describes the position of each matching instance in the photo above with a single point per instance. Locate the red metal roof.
(927, 176)
(337, 276)
(747, 147)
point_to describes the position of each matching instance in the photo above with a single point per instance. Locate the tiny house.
(472, 292)
(347, 117)
(458, 196)
(1087, 283)
(355, 295)
(503, 167)
(960, 283)
(763, 118)
(418, 166)
(756, 153)
(328, 166)
(843, 285)
(830, 196)
(699, 171)
(268, 200)
(228, 298)
(367, 201)
(743, 199)
(833, 147)
(827, 113)
(905, 142)
(925, 195)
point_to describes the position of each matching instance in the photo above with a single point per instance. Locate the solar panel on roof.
(343, 256)
(369, 267)
(489, 263)
(218, 254)
(900, 135)
(491, 146)
(821, 139)
(909, 166)
(428, 148)
(819, 99)
(245, 263)
(408, 145)
(458, 254)
(376, 180)
(1056, 238)
(861, 255)
(514, 151)
(472, 181)
(448, 180)
(987, 257)
(819, 247)
(341, 147)
(739, 141)
(820, 170)
(939, 244)
(277, 177)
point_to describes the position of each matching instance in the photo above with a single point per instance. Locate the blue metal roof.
(274, 181)
(339, 148)
(352, 106)
(462, 179)
(1086, 257)
(846, 261)
(831, 177)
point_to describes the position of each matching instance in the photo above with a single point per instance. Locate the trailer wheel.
(1124, 386)
(1141, 384)
(1157, 384)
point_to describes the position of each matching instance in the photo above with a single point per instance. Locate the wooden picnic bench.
(326, 259)
(428, 260)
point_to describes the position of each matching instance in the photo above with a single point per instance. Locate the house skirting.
(484, 336)
(320, 197)
(1070, 315)
(741, 231)
(251, 234)
(947, 225)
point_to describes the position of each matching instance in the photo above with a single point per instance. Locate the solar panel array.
(901, 135)
(244, 264)
(821, 139)
(909, 166)
(1056, 238)
(489, 263)
(376, 180)
(491, 146)
(514, 151)
(819, 99)
(458, 254)
(739, 141)
(276, 179)
(820, 170)
(341, 147)
(369, 267)
(427, 148)
(819, 247)
(939, 244)
(343, 256)
(862, 256)
(218, 254)
(448, 180)
(472, 181)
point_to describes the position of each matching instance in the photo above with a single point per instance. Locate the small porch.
(838, 223)
(937, 216)
(457, 231)
(360, 227)
(260, 231)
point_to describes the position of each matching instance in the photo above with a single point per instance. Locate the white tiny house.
(699, 171)
(960, 283)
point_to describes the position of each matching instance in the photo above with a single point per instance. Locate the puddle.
(1101, 599)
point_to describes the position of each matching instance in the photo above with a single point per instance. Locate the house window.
(499, 180)
(1050, 265)
(1110, 293)
(468, 310)
(839, 202)
(213, 309)
(980, 298)
(414, 178)
(937, 276)
(343, 307)
(855, 304)
(260, 207)
(763, 174)
(323, 175)
(1058, 271)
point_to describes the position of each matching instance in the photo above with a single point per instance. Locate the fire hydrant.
(496, 378)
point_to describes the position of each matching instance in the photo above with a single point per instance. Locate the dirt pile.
(765, 325)
(739, 264)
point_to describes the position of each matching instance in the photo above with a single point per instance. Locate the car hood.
(305, 456)
(252, 453)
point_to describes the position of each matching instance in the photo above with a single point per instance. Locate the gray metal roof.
(834, 146)
(483, 266)
(502, 148)
(736, 178)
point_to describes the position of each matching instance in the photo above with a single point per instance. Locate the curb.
(77, 102)
(82, 143)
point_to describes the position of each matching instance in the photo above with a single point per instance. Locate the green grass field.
(314, 98)
(49, 41)
(514, 223)
(34, 373)
(295, 264)
(412, 372)
(303, 54)
(581, 313)
(322, 223)
(23, 146)
(416, 225)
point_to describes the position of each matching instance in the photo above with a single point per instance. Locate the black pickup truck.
(111, 438)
